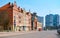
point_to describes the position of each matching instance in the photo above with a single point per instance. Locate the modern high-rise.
(56, 21)
(52, 21)
(49, 20)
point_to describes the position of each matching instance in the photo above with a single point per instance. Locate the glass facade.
(52, 21)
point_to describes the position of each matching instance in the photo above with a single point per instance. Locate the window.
(19, 21)
(19, 17)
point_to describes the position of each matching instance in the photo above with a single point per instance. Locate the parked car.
(39, 29)
(58, 31)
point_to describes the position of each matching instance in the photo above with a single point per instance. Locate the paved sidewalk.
(15, 33)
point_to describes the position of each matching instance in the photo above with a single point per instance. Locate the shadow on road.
(58, 36)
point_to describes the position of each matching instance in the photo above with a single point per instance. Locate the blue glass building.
(56, 21)
(52, 21)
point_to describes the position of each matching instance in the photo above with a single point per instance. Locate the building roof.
(12, 6)
(5, 7)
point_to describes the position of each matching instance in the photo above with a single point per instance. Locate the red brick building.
(14, 18)
(6, 17)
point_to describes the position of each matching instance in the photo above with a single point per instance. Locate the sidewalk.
(15, 33)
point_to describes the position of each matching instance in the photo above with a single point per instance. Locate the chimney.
(21, 10)
(18, 8)
(9, 3)
(12, 4)
(15, 3)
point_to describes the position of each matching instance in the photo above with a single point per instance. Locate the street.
(38, 34)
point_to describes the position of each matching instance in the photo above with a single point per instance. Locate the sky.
(41, 7)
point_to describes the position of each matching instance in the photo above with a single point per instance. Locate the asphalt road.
(41, 34)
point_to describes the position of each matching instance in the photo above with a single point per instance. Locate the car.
(39, 29)
(58, 31)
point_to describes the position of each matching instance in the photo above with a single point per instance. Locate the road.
(41, 34)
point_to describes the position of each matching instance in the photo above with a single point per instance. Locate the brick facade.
(18, 19)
